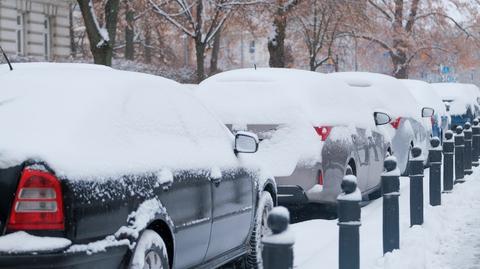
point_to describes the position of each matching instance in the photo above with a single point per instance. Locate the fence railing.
(458, 154)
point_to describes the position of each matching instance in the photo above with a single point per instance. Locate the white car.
(313, 129)
(461, 101)
(387, 93)
(426, 95)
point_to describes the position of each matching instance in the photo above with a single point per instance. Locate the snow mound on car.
(276, 95)
(462, 96)
(22, 242)
(86, 120)
(426, 95)
(382, 92)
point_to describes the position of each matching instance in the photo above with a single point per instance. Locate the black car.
(122, 170)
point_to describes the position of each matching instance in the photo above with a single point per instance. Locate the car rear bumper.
(112, 257)
(291, 195)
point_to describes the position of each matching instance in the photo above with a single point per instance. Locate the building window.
(20, 34)
(47, 40)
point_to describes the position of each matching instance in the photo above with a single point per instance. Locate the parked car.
(386, 93)
(313, 129)
(111, 169)
(426, 96)
(461, 101)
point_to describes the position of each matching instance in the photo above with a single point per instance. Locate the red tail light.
(396, 122)
(38, 203)
(323, 131)
(320, 177)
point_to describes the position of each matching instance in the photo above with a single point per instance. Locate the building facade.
(35, 28)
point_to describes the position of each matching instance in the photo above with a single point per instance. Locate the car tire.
(253, 258)
(150, 252)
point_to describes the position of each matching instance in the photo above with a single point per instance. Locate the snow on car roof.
(425, 95)
(459, 96)
(86, 120)
(276, 95)
(382, 92)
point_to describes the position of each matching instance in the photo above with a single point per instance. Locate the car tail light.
(320, 177)
(396, 123)
(323, 131)
(38, 203)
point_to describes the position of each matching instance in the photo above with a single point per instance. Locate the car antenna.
(6, 58)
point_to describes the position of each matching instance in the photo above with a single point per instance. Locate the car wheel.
(260, 229)
(150, 252)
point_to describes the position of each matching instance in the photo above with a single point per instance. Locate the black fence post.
(416, 187)
(467, 160)
(475, 142)
(348, 206)
(391, 192)
(435, 182)
(459, 154)
(277, 250)
(448, 163)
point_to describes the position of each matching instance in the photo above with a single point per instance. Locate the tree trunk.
(215, 52)
(148, 45)
(312, 64)
(102, 50)
(400, 69)
(276, 45)
(73, 45)
(102, 55)
(200, 53)
(129, 34)
(399, 59)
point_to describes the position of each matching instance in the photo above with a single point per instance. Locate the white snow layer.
(95, 121)
(448, 239)
(462, 96)
(277, 95)
(22, 242)
(382, 92)
(139, 220)
(426, 95)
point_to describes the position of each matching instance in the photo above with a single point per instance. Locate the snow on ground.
(449, 239)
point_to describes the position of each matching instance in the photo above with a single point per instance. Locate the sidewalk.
(449, 239)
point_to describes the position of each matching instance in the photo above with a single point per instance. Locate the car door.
(377, 153)
(189, 205)
(362, 152)
(233, 208)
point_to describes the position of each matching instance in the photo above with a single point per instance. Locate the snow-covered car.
(461, 101)
(408, 129)
(426, 96)
(312, 128)
(102, 168)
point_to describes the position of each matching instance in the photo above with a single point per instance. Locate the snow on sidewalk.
(449, 239)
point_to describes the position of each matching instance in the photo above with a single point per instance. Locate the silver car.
(313, 129)
(408, 128)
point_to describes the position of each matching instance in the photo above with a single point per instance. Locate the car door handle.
(217, 181)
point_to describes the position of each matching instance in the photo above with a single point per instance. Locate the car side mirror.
(381, 118)
(246, 142)
(427, 112)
